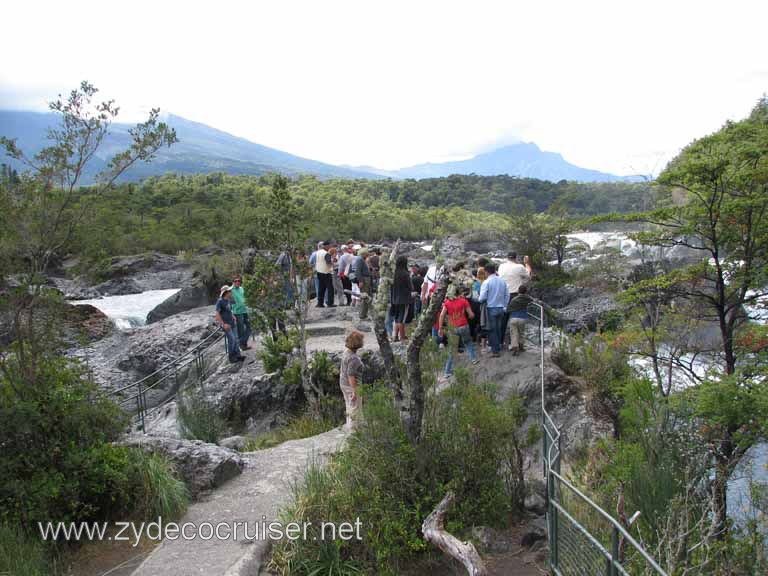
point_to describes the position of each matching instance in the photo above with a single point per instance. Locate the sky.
(619, 86)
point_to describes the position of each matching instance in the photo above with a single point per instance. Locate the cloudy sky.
(618, 86)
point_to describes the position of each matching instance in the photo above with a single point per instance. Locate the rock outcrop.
(201, 466)
(187, 298)
(124, 357)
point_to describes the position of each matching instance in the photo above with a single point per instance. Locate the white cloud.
(610, 85)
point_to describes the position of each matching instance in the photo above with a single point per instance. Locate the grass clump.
(299, 427)
(20, 554)
(157, 491)
(199, 419)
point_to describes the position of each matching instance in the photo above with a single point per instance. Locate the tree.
(44, 205)
(721, 182)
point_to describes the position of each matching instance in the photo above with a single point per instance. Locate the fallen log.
(464, 552)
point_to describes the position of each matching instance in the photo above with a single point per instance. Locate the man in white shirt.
(324, 270)
(515, 275)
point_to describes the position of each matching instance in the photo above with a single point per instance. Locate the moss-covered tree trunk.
(413, 356)
(380, 305)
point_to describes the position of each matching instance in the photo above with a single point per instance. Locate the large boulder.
(201, 466)
(260, 401)
(187, 298)
(86, 320)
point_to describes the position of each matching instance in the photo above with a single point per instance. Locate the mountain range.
(202, 149)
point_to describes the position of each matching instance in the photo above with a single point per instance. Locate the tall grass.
(21, 555)
(198, 419)
(158, 492)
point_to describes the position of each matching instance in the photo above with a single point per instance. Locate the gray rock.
(234, 443)
(125, 357)
(535, 503)
(118, 287)
(533, 533)
(201, 466)
(490, 540)
(188, 298)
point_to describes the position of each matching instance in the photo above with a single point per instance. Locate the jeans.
(389, 323)
(463, 333)
(495, 327)
(317, 288)
(288, 297)
(243, 328)
(233, 346)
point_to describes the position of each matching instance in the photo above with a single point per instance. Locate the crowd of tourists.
(485, 307)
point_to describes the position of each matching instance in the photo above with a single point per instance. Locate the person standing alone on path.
(225, 319)
(349, 374)
(240, 310)
(495, 294)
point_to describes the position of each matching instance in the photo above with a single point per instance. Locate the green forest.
(176, 212)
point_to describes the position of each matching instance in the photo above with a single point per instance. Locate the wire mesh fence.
(584, 539)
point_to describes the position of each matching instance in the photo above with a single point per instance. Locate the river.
(131, 310)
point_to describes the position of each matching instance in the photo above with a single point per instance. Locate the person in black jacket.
(400, 296)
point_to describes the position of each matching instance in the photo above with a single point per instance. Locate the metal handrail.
(552, 456)
(172, 368)
(218, 331)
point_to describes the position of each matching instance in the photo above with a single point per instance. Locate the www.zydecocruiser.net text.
(234, 530)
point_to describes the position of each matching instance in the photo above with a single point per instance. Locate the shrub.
(56, 461)
(392, 485)
(275, 352)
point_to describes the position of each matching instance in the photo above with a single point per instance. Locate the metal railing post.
(140, 400)
(553, 552)
(614, 553)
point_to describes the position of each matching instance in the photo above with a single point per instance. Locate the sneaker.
(320, 306)
(330, 306)
(475, 361)
(246, 347)
(240, 359)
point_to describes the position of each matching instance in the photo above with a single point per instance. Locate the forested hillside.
(173, 213)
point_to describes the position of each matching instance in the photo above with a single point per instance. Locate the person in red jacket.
(458, 312)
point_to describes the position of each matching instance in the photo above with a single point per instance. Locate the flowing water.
(130, 310)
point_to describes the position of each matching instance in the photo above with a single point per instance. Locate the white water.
(594, 240)
(130, 310)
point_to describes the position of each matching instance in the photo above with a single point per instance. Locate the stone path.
(260, 492)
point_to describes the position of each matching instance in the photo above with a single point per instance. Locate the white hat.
(224, 289)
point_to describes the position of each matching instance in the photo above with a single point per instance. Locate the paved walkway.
(261, 491)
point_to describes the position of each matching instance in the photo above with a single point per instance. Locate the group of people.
(350, 271)
(481, 307)
(491, 303)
